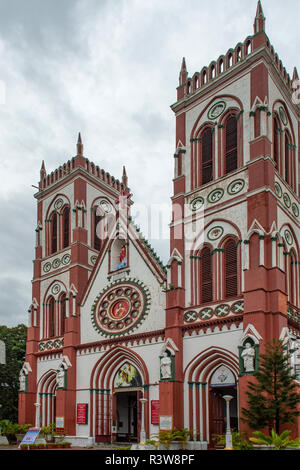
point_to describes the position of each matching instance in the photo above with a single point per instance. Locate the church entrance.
(127, 411)
(222, 383)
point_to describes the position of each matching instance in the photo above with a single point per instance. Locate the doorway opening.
(127, 416)
(217, 412)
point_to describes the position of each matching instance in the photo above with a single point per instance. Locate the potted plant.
(166, 438)
(181, 435)
(21, 430)
(49, 432)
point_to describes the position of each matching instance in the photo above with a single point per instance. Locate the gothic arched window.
(231, 269)
(66, 227)
(51, 310)
(206, 276)
(231, 143)
(53, 243)
(207, 156)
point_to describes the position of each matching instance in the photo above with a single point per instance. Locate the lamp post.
(143, 432)
(228, 435)
(37, 415)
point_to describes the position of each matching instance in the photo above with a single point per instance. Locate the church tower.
(234, 266)
(72, 201)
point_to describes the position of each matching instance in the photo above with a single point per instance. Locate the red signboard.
(155, 412)
(82, 413)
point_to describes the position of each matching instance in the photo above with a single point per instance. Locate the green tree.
(15, 342)
(272, 399)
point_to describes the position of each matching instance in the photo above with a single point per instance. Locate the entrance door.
(217, 411)
(127, 417)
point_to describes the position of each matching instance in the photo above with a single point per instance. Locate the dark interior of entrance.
(218, 410)
(127, 420)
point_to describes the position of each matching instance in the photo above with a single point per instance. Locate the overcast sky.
(109, 69)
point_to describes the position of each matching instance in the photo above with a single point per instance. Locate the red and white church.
(110, 325)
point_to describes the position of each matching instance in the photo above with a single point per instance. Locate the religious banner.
(31, 436)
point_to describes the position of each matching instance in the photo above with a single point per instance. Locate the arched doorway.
(222, 382)
(127, 392)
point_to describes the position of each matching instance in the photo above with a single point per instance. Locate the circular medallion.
(66, 259)
(283, 116)
(215, 195)
(93, 259)
(222, 310)
(56, 289)
(238, 307)
(236, 187)
(197, 204)
(58, 204)
(56, 263)
(287, 200)
(120, 308)
(47, 267)
(278, 189)
(206, 313)
(216, 110)
(288, 237)
(295, 209)
(215, 233)
(190, 317)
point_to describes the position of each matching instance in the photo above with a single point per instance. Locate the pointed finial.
(79, 146)
(43, 172)
(124, 178)
(183, 73)
(295, 74)
(260, 20)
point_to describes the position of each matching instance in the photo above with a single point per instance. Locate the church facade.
(120, 345)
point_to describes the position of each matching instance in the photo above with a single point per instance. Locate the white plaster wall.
(139, 270)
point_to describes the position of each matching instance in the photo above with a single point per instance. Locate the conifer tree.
(272, 399)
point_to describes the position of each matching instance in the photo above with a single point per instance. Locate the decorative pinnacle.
(260, 20)
(124, 178)
(79, 146)
(295, 74)
(183, 73)
(43, 172)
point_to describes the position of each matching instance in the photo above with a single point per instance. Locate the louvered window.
(63, 313)
(66, 227)
(231, 273)
(276, 143)
(54, 233)
(206, 276)
(51, 318)
(207, 157)
(97, 241)
(231, 145)
(287, 160)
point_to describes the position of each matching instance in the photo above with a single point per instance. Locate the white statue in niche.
(60, 377)
(22, 380)
(248, 356)
(165, 366)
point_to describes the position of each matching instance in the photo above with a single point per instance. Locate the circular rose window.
(120, 308)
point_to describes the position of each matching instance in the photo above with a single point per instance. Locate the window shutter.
(97, 241)
(287, 160)
(66, 221)
(206, 276)
(207, 157)
(276, 146)
(231, 145)
(51, 318)
(231, 280)
(54, 233)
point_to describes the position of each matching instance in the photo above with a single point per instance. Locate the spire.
(124, 178)
(295, 74)
(183, 73)
(79, 146)
(260, 20)
(43, 172)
